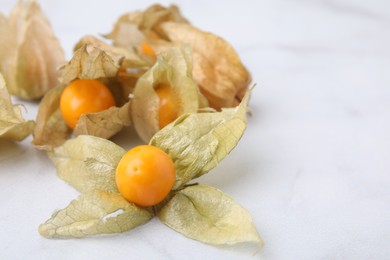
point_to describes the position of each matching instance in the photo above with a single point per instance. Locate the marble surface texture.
(313, 167)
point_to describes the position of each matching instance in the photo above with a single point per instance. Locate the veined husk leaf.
(126, 56)
(90, 62)
(217, 68)
(88, 163)
(117, 53)
(132, 66)
(104, 124)
(50, 129)
(198, 142)
(95, 212)
(173, 67)
(133, 28)
(29, 51)
(12, 124)
(207, 214)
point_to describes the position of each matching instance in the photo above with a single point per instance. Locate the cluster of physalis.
(185, 91)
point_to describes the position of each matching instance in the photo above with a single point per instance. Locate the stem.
(187, 185)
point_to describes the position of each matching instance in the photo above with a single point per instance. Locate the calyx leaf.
(198, 142)
(50, 129)
(104, 124)
(90, 62)
(12, 124)
(207, 214)
(95, 212)
(88, 163)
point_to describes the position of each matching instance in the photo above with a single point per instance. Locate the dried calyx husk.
(29, 51)
(172, 69)
(90, 61)
(217, 68)
(129, 65)
(134, 28)
(193, 210)
(50, 129)
(12, 124)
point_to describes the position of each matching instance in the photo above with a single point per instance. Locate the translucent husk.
(173, 67)
(90, 62)
(217, 69)
(129, 66)
(50, 129)
(198, 142)
(207, 214)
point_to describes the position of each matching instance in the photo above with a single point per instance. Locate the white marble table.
(313, 167)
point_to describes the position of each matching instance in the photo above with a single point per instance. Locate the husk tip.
(45, 231)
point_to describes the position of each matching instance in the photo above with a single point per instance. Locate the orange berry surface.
(148, 50)
(84, 96)
(169, 105)
(145, 175)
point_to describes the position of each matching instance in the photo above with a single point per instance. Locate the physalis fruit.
(145, 175)
(82, 97)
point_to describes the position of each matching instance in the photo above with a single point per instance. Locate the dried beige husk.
(131, 65)
(117, 53)
(88, 163)
(96, 212)
(29, 51)
(217, 68)
(50, 129)
(207, 214)
(104, 124)
(173, 67)
(90, 62)
(133, 28)
(125, 57)
(12, 124)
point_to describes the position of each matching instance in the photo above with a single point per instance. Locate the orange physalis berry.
(84, 96)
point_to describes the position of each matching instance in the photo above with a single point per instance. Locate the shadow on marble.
(229, 173)
(247, 249)
(127, 138)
